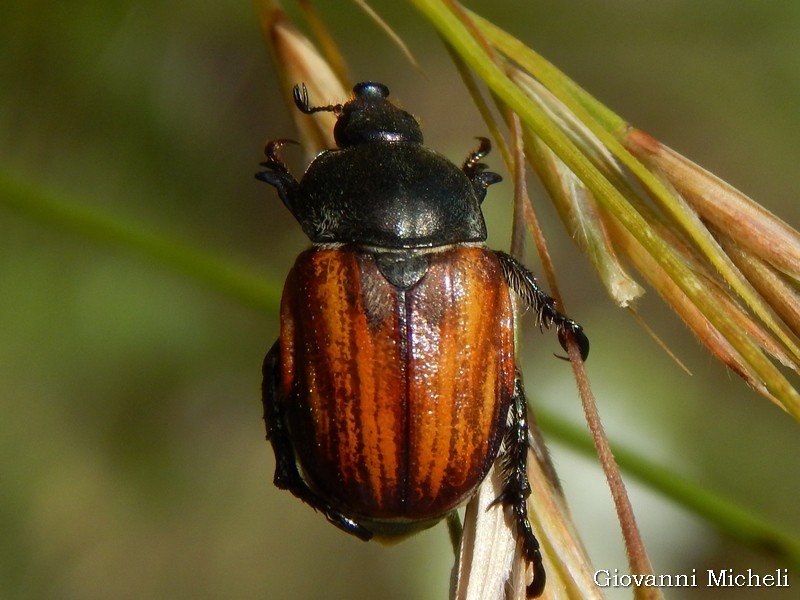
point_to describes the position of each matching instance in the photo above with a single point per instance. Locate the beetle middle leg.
(287, 475)
(516, 488)
(523, 282)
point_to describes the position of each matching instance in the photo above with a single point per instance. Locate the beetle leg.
(277, 175)
(287, 475)
(476, 170)
(523, 282)
(516, 487)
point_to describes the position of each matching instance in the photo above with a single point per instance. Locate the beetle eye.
(371, 90)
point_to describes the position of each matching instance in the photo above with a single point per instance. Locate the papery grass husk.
(752, 226)
(297, 60)
(487, 552)
(489, 565)
(580, 214)
(776, 287)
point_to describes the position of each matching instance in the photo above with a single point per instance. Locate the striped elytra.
(396, 399)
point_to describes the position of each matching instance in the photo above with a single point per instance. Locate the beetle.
(393, 387)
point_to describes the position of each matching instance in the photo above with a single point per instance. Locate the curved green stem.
(726, 516)
(206, 268)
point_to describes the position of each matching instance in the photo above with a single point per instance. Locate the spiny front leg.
(277, 175)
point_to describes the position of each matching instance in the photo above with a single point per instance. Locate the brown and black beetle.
(393, 386)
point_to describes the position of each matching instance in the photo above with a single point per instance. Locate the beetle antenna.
(300, 95)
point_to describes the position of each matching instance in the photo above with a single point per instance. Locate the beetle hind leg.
(287, 474)
(516, 487)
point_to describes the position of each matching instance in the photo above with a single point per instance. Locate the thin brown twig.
(637, 555)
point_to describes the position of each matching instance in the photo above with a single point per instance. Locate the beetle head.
(369, 117)
(381, 186)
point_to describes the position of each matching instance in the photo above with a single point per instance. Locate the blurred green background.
(132, 458)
